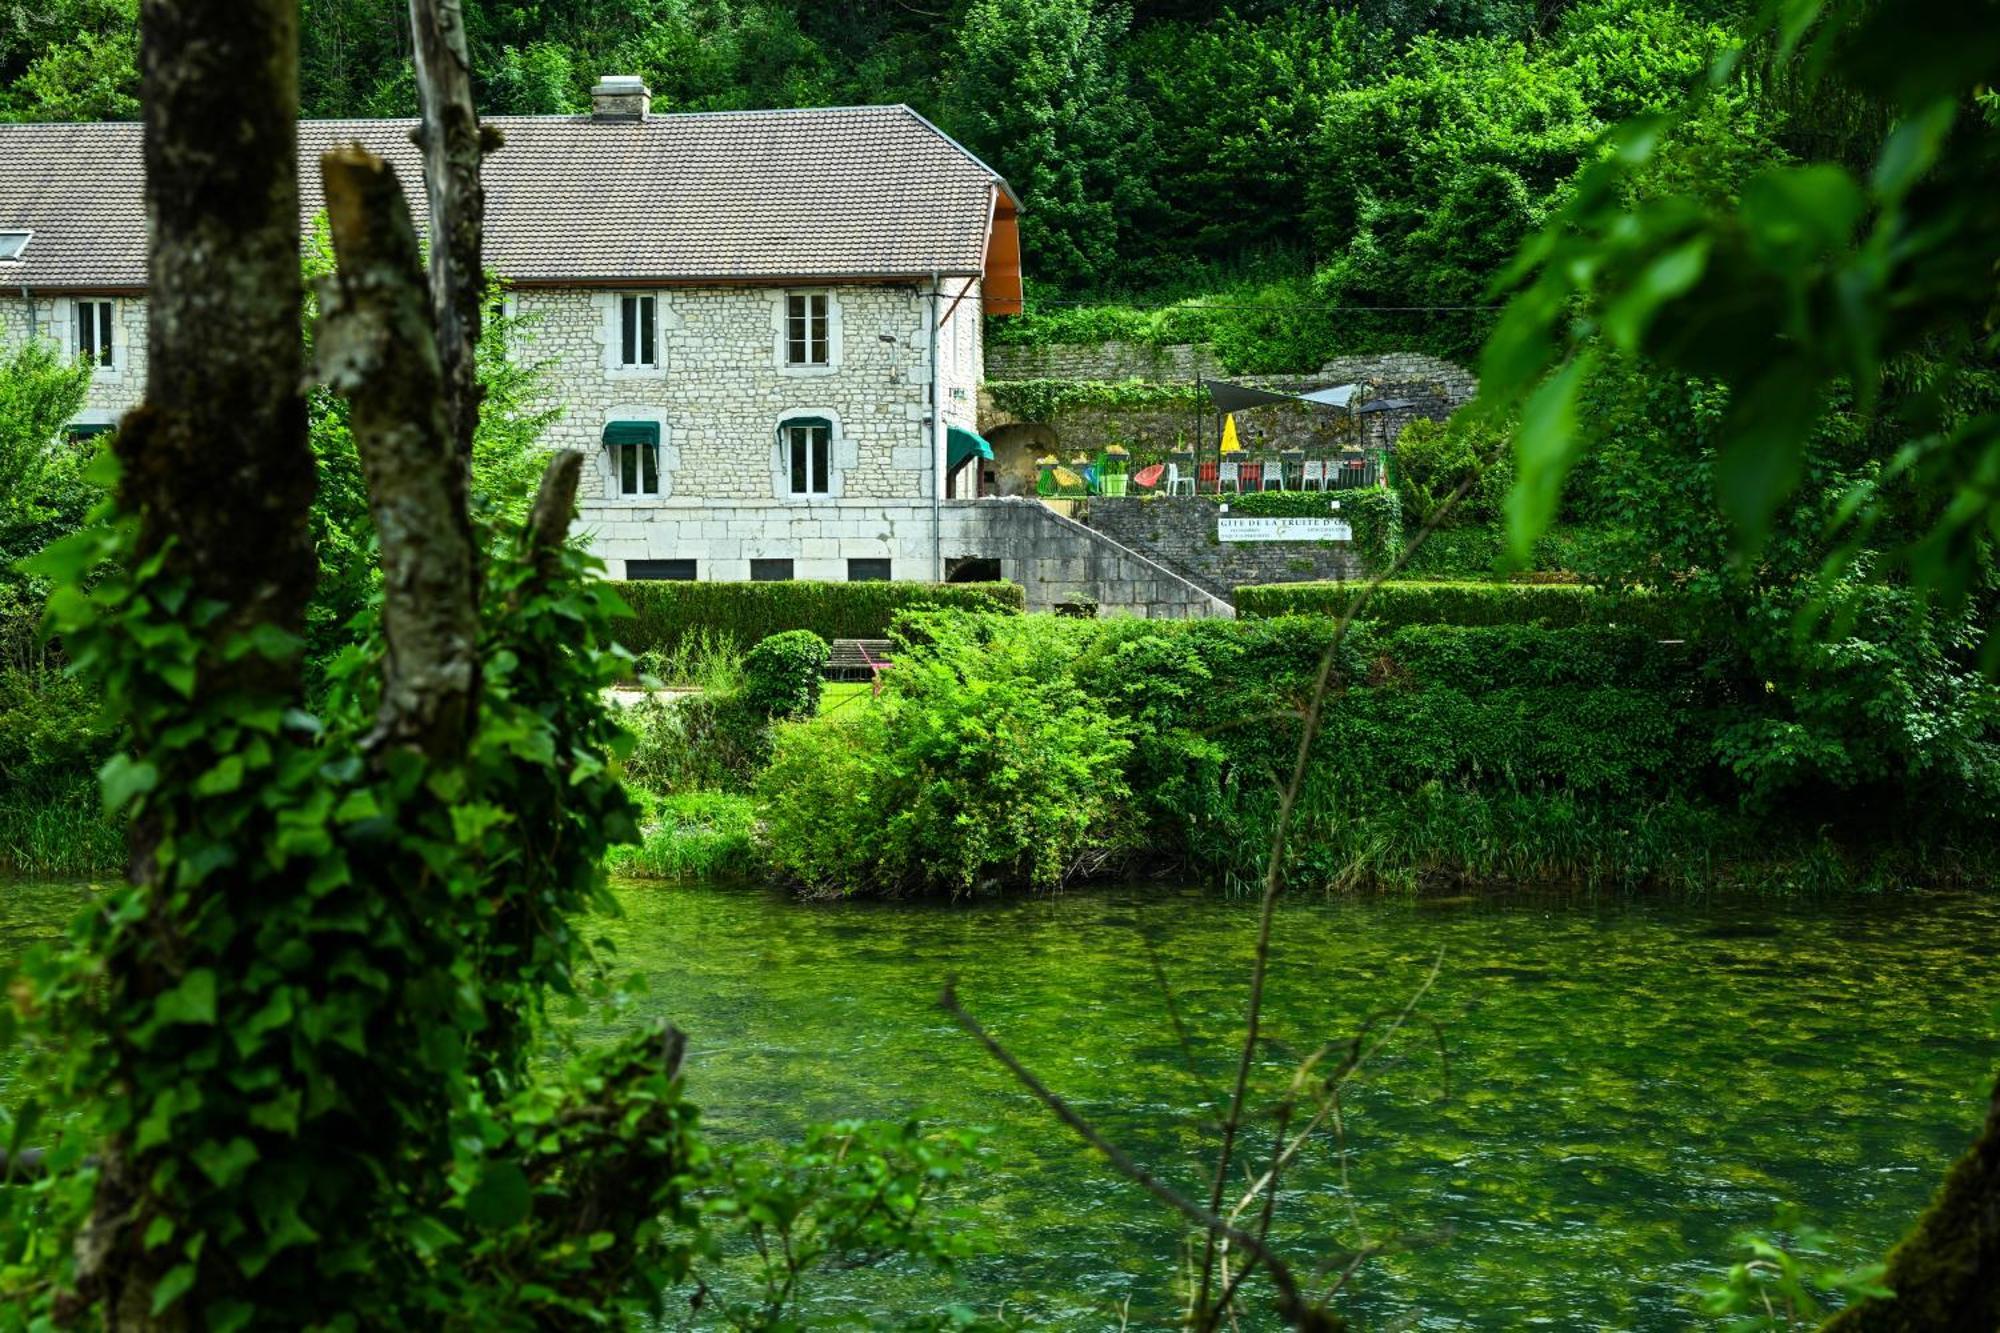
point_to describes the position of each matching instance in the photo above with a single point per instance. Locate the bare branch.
(1291, 1306)
(375, 345)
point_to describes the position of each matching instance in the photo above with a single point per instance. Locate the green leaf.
(1546, 445)
(225, 777)
(1763, 448)
(1911, 148)
(172, 1286)
(1667, 276)
(192, 1001)
(122, 778)
(1795, 215)
(225, 1163)
(500, 1199)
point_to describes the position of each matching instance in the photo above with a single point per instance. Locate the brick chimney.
(620, 97)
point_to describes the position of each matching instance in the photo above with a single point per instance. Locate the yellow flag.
(1230, 444)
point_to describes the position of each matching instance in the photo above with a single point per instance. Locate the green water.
(1629, 1083)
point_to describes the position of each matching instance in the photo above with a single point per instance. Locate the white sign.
(1231, 529)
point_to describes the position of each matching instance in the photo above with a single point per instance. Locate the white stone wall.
(721, 388)
(113, 389)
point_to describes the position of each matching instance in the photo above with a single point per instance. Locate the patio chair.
(1312, 475)
(1175, 480)
(1229, 474)
(1274, 475)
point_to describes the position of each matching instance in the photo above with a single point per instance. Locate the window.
(806, 339)
(638, 337)
(12, 243)
(93, 332)
(868, 570)
(808, 445)
(683, 570)
(771, 571)
(635, 456)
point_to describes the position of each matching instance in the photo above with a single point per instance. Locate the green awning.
(633, 432)
(961, 444)
(83, 430)
(813, 423)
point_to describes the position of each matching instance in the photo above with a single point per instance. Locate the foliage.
(666, 612)
(705, 660)
(1044, 400)
(782, 675)
(1552, 743)
(983, 763)
(1415, 602)
(1570, 552)
(693, 743)
(1435, 459)
(46, 494)
(697, 836)
(1781, 1283)
(1035, 88)
(1804, 286)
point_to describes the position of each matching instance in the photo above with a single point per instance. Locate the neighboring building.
(763, 328)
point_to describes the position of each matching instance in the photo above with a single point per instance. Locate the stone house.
(762, 328)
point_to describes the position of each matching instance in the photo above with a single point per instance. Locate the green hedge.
(1043, 400)
(666, 611)
(1411, 602)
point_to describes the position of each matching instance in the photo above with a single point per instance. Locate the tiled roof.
(872, 191)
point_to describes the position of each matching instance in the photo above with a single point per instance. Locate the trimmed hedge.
(666, 611)
(1548, 605)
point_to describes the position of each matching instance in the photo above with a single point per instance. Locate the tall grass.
(705, 659)
(703, 835)
(61, 834)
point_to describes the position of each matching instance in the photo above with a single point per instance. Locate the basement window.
(12, 243)
(680, 570)
(770, 571)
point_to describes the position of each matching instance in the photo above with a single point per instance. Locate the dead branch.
(1291, 1305)
(375, 345)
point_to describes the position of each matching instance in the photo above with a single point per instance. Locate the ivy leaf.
(500, 1199)
(172, 1286)
(122, 778)
(192, 1001)
(225, 1163)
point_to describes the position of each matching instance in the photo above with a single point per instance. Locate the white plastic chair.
(1312, 475)
(1229, 474)
(1274, 475)
(1175, 480)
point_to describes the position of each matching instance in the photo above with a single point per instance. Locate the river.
(1624, 1084)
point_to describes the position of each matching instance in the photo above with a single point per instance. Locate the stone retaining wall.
(1180, 533)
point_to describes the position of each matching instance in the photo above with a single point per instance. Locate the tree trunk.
(216, 468)
(1946, 1272)
(453, 144)
(375, 345)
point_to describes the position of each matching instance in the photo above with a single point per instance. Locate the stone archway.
(1015, 449)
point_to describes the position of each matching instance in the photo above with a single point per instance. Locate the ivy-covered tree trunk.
(1946, 1272)
(216, 470)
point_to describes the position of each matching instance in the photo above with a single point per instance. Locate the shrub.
(1585, 552)
(700, 835)
(694, 742)
(1410, 602)
(1435, 458)
(665, 613)
(782, 675)
(983, 764)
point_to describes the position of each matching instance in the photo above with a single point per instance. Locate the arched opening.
(972, 569)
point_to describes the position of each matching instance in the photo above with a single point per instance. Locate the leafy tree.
(1036, 91)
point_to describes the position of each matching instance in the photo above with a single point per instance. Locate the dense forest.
(1260, 173)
